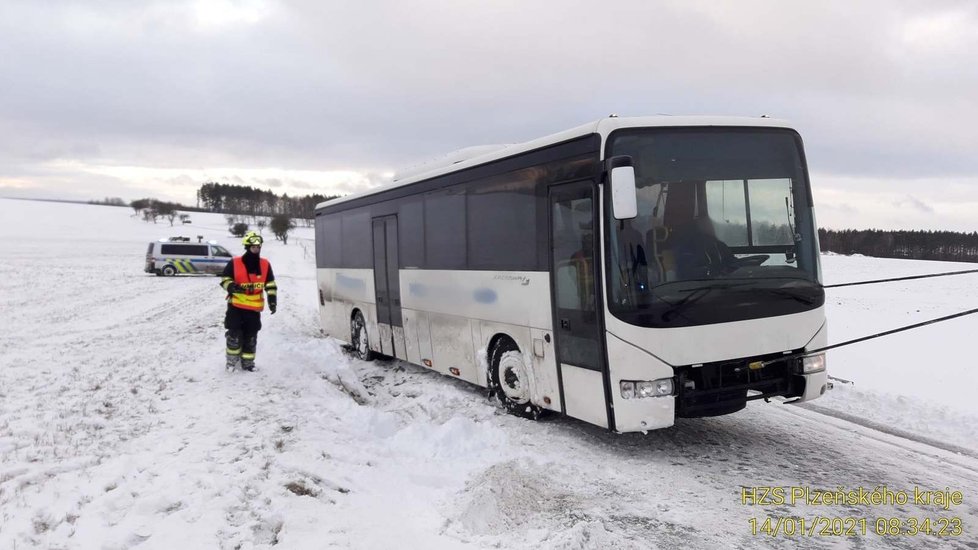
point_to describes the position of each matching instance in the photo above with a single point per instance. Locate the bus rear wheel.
(169, 271)
(510, 380)
(358, 338)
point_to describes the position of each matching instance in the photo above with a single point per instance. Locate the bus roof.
(456, 161)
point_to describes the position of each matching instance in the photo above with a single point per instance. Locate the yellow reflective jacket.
(253, 298)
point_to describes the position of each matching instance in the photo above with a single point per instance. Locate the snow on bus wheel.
(169, 271)
(510, 378)
(358, 337)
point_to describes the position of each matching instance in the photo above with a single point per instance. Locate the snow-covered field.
(120, 428)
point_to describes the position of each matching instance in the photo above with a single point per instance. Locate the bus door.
(387, 286)
(575, 283)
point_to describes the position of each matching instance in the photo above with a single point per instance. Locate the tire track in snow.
(960, 457)
(163, 309)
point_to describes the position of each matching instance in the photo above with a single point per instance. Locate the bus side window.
(567, 284)
(574, 254)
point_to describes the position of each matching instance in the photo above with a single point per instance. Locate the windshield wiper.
(695, 294)
(788, 294)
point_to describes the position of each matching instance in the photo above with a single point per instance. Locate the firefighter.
(245, 278)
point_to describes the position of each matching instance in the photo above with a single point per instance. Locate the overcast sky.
(127, 98)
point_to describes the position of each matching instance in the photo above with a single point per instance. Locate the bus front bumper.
(723, 388)
(718, 389)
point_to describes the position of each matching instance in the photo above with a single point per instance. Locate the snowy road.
(119, 428)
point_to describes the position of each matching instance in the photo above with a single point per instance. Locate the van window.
(184, 249)
(221, 251)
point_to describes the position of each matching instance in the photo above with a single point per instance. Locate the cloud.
(301, 185)
(914, 202)
(219, 14)
(862, 203)
(183, 180)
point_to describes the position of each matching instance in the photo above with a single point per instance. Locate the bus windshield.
(724, 231)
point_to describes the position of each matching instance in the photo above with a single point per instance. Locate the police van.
(168, 257)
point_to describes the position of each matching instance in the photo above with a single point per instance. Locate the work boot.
(248, 365)
(232, 362)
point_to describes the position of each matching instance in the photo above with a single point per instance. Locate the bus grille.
(726, 386)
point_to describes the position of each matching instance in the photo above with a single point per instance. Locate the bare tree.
(139, 205)
(166, 209)
(281, 225)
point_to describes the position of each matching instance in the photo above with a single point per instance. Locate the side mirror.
(621, 175)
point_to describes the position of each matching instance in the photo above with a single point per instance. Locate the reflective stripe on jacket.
(253, 298)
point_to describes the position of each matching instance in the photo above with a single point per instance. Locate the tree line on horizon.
(237, 202)
(948, 246)
(229, 199)
(251, 201)
(151, 209)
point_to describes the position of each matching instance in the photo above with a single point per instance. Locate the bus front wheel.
(510, 380)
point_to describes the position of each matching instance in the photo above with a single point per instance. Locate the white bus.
(625, 273)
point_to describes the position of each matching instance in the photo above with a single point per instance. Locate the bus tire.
(510, 380)
(359, 342)
(168, 271)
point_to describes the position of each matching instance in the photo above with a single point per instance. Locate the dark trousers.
(242, 332)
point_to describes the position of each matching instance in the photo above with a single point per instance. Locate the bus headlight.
(813, 364)
(646, 388)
